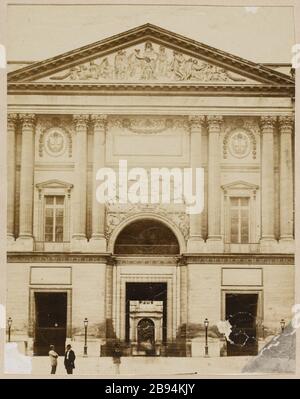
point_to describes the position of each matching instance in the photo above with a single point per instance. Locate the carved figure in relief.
(121, 65)
(162, 62)
(196, 70)
(105, 70)
(148, 64)
(178, 66)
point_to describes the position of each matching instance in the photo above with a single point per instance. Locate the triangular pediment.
(54, 184)
(148, 55)
(240, 185)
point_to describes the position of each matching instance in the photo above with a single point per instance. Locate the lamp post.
(9, 323)
(206, 322)
(85, 322)
(282, 324)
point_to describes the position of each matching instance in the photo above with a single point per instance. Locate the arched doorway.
(146, 285)
(146, 335)
(146, 237)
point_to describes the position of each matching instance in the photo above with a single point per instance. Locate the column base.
(23, 243)
(214, 244)
(97, 243)
(268, 245)
(287, 244)
(10, 242)
(79, 243)
(195, 244)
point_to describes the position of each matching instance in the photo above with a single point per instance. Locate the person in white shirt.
(53, 359)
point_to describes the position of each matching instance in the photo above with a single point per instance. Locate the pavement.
(145, 366)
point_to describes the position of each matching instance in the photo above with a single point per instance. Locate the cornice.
(240, 259)
(218, 259)
(57, 257)
(261, 90)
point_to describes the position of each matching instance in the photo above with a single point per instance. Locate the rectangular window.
(239, 220)
(54, 218)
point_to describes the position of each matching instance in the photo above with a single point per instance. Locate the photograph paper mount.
(117, 288)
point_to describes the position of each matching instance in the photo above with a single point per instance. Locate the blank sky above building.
(260, 34)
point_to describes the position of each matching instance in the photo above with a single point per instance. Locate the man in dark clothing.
(69, 360)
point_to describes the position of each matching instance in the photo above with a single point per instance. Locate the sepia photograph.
(150, 189)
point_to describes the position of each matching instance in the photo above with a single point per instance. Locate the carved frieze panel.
(148, 124)
(147, 62)
(116, 214)
(148, 139)
(55, 138)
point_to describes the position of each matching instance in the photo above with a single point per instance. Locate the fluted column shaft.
(214, 213)
(98, 211)
(11, 172)
(196, 127)
(286, 124)
(80, 185)
(267, 177)
(26, 178)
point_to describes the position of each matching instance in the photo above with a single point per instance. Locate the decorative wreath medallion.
(55, 142)
(239, 144)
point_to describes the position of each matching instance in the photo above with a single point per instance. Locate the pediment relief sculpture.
(147, 62)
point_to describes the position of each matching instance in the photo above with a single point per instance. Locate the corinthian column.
(214, 213)
(196, 127)
(286, 124)
(26, 178)
(80, 182)
(267, 178)
(98, 210)
(11, 173)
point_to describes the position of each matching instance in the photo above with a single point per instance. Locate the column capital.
(28, 120)
(196, 122)
(12, 120)
(81, 121)
(286, 124)
(267, 123)
(214, 123)
(99, 121)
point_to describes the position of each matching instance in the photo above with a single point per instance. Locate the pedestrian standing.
(69, 361)
(117, 357)
(53, 359)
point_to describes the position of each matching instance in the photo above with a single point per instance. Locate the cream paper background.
(216, 23)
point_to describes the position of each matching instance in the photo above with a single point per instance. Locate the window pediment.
(54, 184)
(54, 187)
(240, 185)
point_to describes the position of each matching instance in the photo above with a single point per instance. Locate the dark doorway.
(51, 322)
(241, 312)
(146, 292)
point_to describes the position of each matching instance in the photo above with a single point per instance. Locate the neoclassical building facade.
(149, 274)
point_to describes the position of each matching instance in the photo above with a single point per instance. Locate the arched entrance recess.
(146, 237)
(146, 282)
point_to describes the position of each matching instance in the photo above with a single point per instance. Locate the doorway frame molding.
(246, 290)
(168, 273)
(32, 308)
